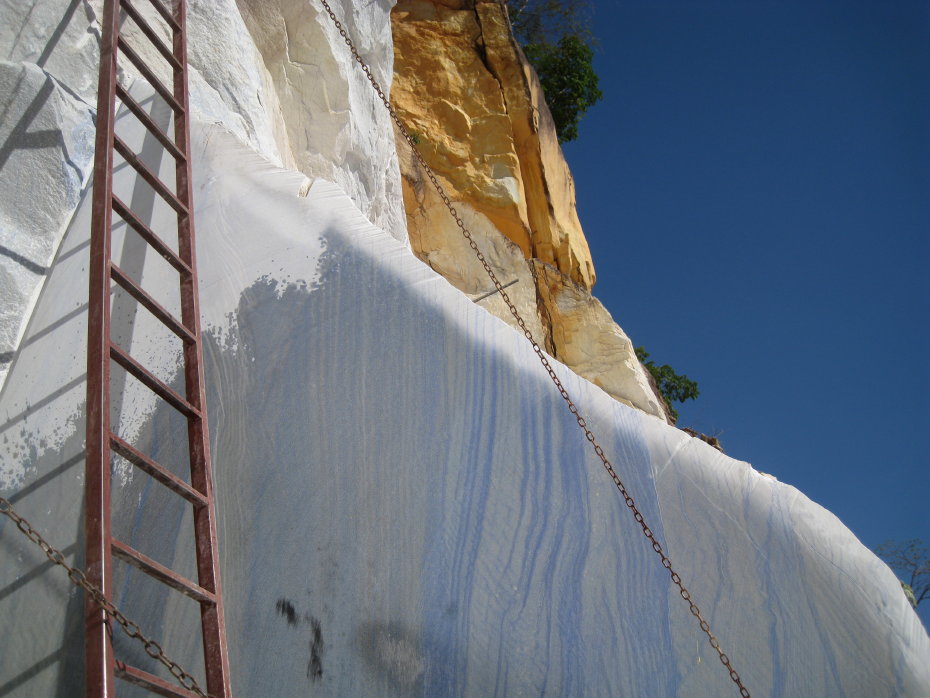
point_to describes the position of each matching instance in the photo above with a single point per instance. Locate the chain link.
(77, 577)
(582, 423)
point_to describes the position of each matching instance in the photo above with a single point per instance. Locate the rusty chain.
(78, 578)
(582, 423)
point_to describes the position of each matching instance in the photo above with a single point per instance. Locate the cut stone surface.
(306, 106)
(405, 505)
(330, 122)
(46, 149)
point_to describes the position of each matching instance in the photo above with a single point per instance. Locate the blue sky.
(755, 188)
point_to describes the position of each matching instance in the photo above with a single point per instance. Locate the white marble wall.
(307, 108)
(405, 505)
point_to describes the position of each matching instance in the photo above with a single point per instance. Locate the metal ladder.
(101, 666)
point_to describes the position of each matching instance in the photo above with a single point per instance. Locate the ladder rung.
(160, 572)
(149, 176)
(155, 385)
(157, 472)
(147, 73)
(166, 318)
(150, 34)
(147, 121)
(147, 234)
(166, 15)
(131, 674)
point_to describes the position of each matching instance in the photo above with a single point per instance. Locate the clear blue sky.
(755, 188)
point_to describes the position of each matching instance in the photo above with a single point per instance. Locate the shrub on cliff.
(911, 561)
(674, 387)
(558, 43)
(568, 81)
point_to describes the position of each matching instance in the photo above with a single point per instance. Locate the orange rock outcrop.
(476, 110)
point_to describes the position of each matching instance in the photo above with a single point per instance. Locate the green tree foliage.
(568, 81)
(558, 43)
(911, 561)
(674, 387)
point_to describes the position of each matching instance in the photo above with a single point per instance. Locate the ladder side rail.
(216, 655)
(98, 650)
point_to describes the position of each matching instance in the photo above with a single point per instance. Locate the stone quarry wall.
(464, 88)
(405, 507)
(275, 73)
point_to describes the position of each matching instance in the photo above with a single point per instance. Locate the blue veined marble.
(406, 507)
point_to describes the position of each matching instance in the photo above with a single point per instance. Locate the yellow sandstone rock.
(445, 94)
(549, 188)
(475, 107)
(462, 85)
(588, 340)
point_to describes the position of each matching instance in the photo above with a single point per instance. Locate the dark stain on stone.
(315, 665)
(395, 653)
(286, 609)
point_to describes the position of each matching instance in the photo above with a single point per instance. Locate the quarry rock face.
(477, 113)
(586, 336)
(48, 143)
(404, 504)
(273, 73)
(48, 69)
(327, 120)
(449, 98)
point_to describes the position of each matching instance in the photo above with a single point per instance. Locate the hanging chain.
(77, 577)
(582, 423)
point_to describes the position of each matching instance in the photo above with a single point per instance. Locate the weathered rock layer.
(476, 109)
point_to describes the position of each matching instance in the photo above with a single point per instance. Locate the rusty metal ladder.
(101, 666)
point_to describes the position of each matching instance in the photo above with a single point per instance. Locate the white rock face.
(405, 505)
(334, 124)
(46, 149)
(60, 37)
(306, 107)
